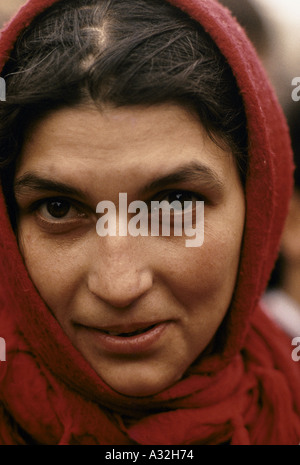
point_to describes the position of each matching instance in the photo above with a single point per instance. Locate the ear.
(290, 243)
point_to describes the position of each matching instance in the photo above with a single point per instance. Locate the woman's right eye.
(58, 210)
(55, 209)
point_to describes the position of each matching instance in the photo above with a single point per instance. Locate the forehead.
(128, 143)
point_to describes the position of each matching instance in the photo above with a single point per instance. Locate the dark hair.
(132, 52)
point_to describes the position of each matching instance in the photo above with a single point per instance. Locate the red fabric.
(248, 394)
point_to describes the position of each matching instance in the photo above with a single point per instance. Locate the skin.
(89, 281)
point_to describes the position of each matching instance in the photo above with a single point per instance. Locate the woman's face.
(139, 308)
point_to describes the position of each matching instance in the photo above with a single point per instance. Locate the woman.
(120, 337)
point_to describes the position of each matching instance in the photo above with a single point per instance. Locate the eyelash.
(69, 204)
(56, 225)
(161, 196)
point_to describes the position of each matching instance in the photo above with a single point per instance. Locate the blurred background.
(282, 20)
(8, 8)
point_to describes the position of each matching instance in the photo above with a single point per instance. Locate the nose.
(119, 273)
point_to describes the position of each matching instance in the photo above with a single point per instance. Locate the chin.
(139, 386)
(138, 391)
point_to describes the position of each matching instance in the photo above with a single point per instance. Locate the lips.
(134, 339)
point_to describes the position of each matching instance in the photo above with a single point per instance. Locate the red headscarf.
(248, 394)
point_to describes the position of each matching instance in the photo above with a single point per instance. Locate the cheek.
(203, 281)
(54, 269)
(206, 274)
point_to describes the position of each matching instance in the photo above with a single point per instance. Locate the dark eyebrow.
(34, 182)
(193, 171)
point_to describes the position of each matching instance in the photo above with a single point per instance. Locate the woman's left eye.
(58, 209)
(181, 200)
